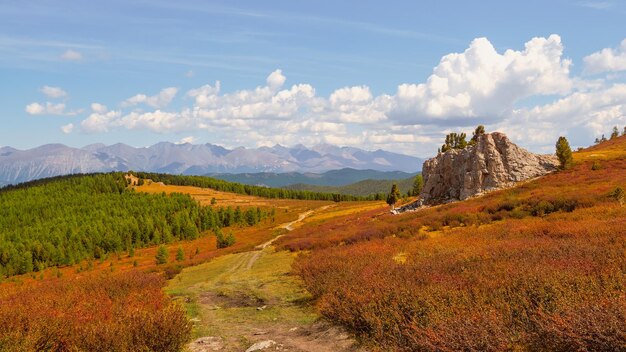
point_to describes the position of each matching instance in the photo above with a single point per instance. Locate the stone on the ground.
(261, 345)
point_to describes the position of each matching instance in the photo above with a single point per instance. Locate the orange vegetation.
(122, 312)
(538, 267)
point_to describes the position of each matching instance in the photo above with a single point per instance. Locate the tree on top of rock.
(454, 141)
(394, 195)
(480, 130)
(564, 153)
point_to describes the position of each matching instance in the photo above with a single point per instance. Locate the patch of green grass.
(223, 293)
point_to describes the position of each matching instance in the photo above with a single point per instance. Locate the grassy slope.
(536, 267)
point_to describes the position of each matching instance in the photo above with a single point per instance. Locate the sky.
(394, 75)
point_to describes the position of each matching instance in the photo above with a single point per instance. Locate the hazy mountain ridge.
(193, 159)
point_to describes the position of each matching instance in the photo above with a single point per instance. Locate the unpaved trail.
(241, 299)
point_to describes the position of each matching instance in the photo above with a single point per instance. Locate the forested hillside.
(225, 186)
(365, 188)
(64, 220)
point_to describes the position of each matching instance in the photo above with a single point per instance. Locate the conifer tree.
(393, 196)
(180, 254)
(480, 130)
(564, 153)
(615, 133)
(418, 184)
(162, 255)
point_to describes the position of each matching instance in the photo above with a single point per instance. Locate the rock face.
(492, 163)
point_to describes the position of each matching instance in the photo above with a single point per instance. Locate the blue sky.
(396, 75)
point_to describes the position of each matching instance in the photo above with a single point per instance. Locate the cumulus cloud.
(479, 85)
(53, 92)
(276, 80)
(67, 129)
(357, 105)
(100, 121)
(71, 55)
(607, 60)
(581, 115)
(47, 109)
(160, 100)
(482, 83)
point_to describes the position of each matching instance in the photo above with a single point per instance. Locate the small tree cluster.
(454, 141)
(457, 140)
(224, 241)
(614, 134)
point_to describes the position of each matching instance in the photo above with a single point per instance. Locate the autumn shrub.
(511, 284)
(118, 312)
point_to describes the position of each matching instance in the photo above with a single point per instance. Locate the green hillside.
(64, 220)
(361, 189)
(339, 177)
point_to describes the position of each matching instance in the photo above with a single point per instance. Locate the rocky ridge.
(493, 163)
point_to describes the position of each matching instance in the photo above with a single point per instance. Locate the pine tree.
(480, 130)
(454, 141)
(393, 196)
(564, 153)
(162, 255)
(180, 254)
(418, 184)
(615, 133)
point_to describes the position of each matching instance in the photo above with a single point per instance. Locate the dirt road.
(250, 300)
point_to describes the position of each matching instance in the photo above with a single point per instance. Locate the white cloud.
(53, 92)
(581, 115)
(67, 129)
(276, 80)
(477, 86)
(482, 83)
(160, 100)
(100, 122)
(190, 140)
(357, 105)
(99, 108)
(71, 55)
(47, 109)
(607, 60)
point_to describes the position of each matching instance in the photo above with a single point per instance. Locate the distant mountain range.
(194, 159)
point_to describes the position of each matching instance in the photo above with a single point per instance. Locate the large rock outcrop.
(494, 162)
